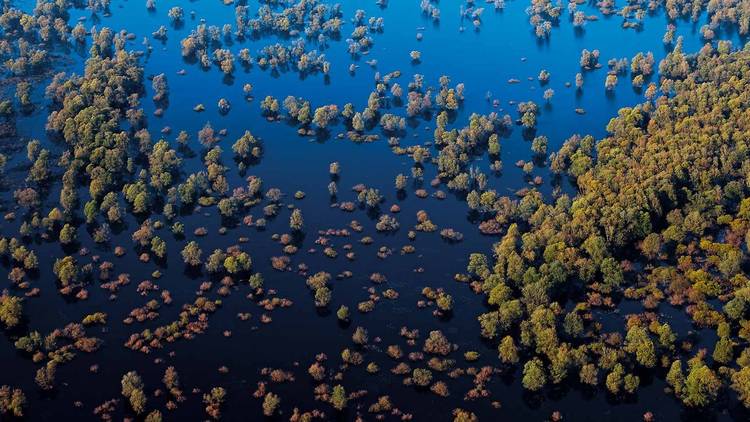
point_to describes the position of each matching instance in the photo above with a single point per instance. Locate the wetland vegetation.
(374, 210)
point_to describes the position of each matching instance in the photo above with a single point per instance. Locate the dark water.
(484, 60)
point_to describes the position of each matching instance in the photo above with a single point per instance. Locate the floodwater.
(502, 48)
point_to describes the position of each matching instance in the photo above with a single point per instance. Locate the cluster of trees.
(26, 38)
(12, 401)
(85, 115)
(668, 189)
(316, 21)
(132, 390)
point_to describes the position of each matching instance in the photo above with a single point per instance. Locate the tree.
(256, 281)
(461, 415)
(206, 136)
(651, 245)
(444, 302)
(723, 351)
(130, 382)
(12, 402)
(611, 82)
(228, 207)
(176, 14)
(548, 94)
(66, 270)
(675, 377)
(701, 386)
(246, 146)
(507, 350)
(191, 254)
(132, 389)
(631, 383)
(158, 247)
(67, 234)
(615, 379)
(237, 262)
(11, 310)
(666, 336)
(154, 416)
(296, 222)
(45, 376)
(741, 385)
(322, 297)
(638, 343)
(215, 262)
(343, 313)
(589, 374)
(534, 378)
(138, 401)
(573, 324)
(270, 106)
(539, 145)
(611, 274)
(360, 336)
(324, 115)
(338, 397)
(270, 404)
(401, 181)
(422, 377)
(39, 172)
(214, 400)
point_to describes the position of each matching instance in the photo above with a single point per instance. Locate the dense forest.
(660, 216)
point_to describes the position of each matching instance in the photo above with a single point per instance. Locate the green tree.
(589, 374)
(158, 247)
(322, 297)
(638, 343)
(611, 274)
(66, 270)
(631, 383)
(724, 350)
(573, 324)
(343, 313)
(534, 378)
(270, 403)
(615, 379)
(675, 377)
(701, 386)
(296, 222)
(138, 401)
(191, 254)
(422, 377)
(11, 310)
(12, 402)
(45, 376)
(338, 397)
(741, 385)
(67, 234)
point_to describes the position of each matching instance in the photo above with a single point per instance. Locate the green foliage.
(741, 385)
(534, 378)
(296, 222)
(191, 254)
(338, 397)
(701, 386)
(66, 270)
(12, 402)
(11, 310)
(614, 380)
(271, 402)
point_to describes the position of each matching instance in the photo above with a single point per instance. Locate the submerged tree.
(191, 254)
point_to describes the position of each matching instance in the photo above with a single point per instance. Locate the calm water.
(504, 47)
